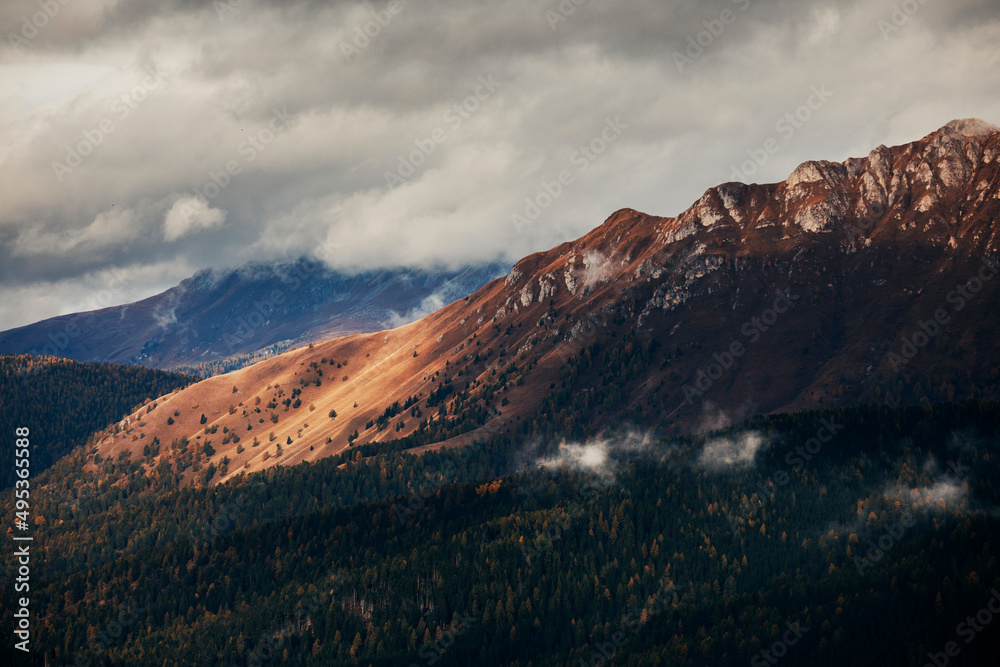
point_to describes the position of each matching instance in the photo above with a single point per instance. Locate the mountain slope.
(215, 315)
(757, 299)
(66, 402)
(879, 546)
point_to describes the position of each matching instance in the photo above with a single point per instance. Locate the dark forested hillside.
(858, 536)
(65, 402)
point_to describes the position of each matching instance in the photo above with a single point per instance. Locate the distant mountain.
(871, 280)
(216, 315)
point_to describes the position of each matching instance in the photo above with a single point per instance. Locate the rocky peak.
(916, 193)
(966, 128)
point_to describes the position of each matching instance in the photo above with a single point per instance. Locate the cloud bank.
(412, 138)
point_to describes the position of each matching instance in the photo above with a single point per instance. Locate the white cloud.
(190, 215)
(589, 457)
(730, 452)
(432, 303)
(944, 494)
(597, 268)
(594, 456)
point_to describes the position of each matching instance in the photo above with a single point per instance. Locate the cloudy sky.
(142, 141)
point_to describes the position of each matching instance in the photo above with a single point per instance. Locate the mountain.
(72, 400)
(583, 522)
(870, 280)
(216, 315)
(879, 549)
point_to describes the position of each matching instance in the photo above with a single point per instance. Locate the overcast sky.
(412, 133)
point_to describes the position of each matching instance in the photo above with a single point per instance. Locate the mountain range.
(222, 319)
(763, 429)
(868, 280)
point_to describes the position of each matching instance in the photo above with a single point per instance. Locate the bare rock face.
(969, 128)
(874, 232)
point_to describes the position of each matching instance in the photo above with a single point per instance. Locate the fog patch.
(601, 456)
(428, 305)
(597, 268)
(941, 496)
(586, 457)
(165, 312)
(731, 451)
(965, 440)
(713, 419)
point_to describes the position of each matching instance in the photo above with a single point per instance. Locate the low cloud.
(941, 496)
(589, 457)
(731, 452)
(947, 492)
(450, 291)
(712, 419)
(93, 291)
(948, 489)
(165, 318)
(431, 303)
(599, 456)
(597, 268)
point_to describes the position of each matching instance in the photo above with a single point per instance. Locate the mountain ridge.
(216, 314)
(677, 310)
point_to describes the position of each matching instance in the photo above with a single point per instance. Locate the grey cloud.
(322, 180)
